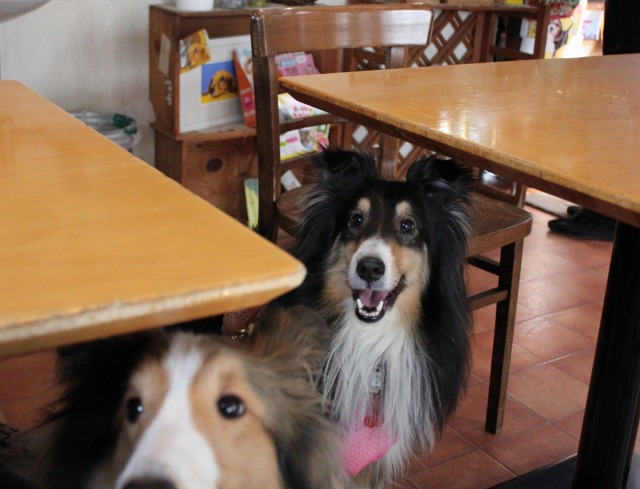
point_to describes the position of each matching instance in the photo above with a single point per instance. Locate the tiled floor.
(559, 307)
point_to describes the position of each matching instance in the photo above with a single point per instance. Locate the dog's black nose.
(149, 483)
(370, 268)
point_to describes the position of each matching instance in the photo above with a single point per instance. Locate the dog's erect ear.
(335, 163)
(341, 173)
(439, 174)
(293, 343)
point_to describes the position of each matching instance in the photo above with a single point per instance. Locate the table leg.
(611, 416)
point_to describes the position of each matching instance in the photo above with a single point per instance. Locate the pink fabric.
(366, 443)
(234, 322)
(363, 446)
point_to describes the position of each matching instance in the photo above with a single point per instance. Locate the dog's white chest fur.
(357, 350)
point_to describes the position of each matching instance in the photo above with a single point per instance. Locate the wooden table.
(95, 242)
(568, 127)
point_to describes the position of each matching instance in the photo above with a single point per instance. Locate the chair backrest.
(312, 29)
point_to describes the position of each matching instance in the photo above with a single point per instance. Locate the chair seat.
(493, 223)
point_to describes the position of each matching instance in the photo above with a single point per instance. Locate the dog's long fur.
(176, 410)
(417, 230)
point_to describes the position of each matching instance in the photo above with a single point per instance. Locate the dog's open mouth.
(371, 304)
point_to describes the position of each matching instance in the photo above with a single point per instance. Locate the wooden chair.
(326, 31)
(496, 224)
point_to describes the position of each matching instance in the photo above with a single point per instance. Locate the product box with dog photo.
(208, 83)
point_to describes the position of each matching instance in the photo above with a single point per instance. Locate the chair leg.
(510, 262)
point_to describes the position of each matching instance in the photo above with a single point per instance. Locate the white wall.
(85, 54)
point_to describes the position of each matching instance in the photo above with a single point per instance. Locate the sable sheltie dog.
(176, 410)
(385, 269)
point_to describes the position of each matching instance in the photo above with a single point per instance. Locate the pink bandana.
(366, 443)
(234, 323)
(363, 446)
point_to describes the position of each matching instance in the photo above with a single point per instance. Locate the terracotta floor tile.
(578, 365)
(524, 313)
(27, 376)
(541, 238)
(403, 484)
(533, 449)
(24, 414)
(538, 263)
(584, 319)
(416, 463)
(585, 283)
(543, 296)
(603, 270)
(475, 470)
(474, 380)
(450, 446)
(571, 424)
(482, 349)
(469, 418)
(548, 391)
(478, 280)
(484, 319)
(547, 339)
(584, 254)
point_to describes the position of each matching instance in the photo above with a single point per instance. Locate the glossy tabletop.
(95, 242)
(570, 127)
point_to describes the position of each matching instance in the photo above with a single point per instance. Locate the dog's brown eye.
(134, 409)
(231, 406)
(407, 225)
(356, 220)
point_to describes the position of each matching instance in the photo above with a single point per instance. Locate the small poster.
(294, 64)
(218, 82)
(194, 51)
(209, 92)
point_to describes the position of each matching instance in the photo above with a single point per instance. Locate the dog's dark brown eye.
(407, 225)
(355, 220)
(134, 409)
(231, 406)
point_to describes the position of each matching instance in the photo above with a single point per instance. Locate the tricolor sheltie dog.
(176, 410)
(385, 263)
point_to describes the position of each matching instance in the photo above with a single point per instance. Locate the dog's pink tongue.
(371, 298)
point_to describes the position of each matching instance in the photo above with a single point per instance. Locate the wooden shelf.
(216, 133)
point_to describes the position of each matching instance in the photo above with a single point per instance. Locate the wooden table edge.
(27, 336)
